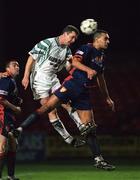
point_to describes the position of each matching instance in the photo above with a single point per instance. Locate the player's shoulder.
(49, 39)
(86, 46)
(85, 49)
(47, 42)
(5, 82)
(4, 79)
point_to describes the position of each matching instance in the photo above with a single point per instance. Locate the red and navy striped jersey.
(90, 57)
(8, 89)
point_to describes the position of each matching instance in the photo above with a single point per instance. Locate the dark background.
(24, 23)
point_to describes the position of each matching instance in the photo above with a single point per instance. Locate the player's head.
(12, 67)
(101, 39)
(69, 35)
(70, 28)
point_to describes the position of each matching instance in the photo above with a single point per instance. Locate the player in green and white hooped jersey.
(47, 58)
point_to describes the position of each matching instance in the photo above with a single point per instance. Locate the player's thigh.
(44, 100)
(85, 116)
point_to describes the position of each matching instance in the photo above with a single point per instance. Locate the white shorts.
(43, 84)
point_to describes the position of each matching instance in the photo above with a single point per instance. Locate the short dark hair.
(98, 33)
(7, 63)
(70, 28)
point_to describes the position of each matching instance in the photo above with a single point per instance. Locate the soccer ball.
(88, 26)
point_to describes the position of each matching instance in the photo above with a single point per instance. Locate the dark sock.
(11, 159)
(29, 120)
(92, 142)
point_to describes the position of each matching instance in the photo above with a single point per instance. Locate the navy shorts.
(78, 94)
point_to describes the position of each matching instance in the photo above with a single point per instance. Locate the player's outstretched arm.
(9, 105)
(28, 67)
(76, 62)
(103, 87)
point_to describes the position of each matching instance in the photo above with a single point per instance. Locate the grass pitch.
(75, 171)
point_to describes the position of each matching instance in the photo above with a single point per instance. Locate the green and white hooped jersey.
(50, 57)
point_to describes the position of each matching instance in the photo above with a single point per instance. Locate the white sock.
(75, 117)
(59, 127)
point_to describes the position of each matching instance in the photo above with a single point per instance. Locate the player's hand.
(25, 82)
(3, 74)
(18, 110)
(111, 104)
(91, 73)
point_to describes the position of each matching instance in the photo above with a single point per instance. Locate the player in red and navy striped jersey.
(9, 106)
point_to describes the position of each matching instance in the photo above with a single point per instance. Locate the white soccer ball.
(88, 26)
